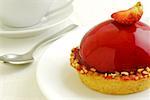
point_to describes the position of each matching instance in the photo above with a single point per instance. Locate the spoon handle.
(53, 37)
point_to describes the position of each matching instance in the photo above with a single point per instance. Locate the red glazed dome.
(111, 47)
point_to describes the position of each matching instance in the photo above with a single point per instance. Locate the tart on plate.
(114, 56)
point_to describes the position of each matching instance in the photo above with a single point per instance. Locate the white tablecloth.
(19, 82)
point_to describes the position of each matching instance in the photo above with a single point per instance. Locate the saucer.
(46, 23)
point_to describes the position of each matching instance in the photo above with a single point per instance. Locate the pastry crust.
(112, 83)
(114, 86)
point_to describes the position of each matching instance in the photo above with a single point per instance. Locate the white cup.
(25, 13)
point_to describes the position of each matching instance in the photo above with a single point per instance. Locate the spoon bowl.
(16, 59)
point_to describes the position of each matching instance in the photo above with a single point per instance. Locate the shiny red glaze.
(110, 47)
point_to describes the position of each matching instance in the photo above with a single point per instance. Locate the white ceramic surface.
(22, 13)
(47, 23)
(25, 13)
(59, 81)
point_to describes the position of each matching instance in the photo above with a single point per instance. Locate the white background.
(19, 83)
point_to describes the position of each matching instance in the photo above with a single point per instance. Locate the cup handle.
(59, 8)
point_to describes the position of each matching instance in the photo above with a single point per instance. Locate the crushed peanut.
(85, 71)
(148, 69)
(145, 72)
(125, 73)
(105, 75)
(93, 69)
(131, 73)
(81, 71)
(117, 73)
(113, 75)
(140, 70)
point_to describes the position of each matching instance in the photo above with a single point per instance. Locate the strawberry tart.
(114, 56)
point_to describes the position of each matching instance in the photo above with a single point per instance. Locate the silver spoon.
(27, 57)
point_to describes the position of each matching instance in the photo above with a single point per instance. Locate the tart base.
(114, 86)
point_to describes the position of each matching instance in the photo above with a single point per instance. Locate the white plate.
(51, 21)
(59, 81)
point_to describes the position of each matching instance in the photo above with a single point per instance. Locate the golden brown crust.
(114, 86)
(112, 83)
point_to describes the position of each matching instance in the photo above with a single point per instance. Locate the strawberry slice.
(130, 16)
